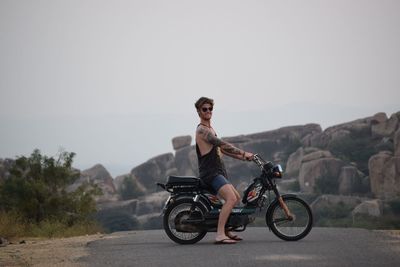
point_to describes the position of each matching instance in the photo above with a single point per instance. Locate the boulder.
(397, 143)
(316, 155)
(119, 180)
(291, 132)
(99, 176)
(350, 180)
(181, 141)
(310, 171)
(378, 118)
(381, 126)
(337, 132)
(119, 183)
(294, 162)
(384, 172)
(369, 207)
(152, 203)
(186, 161)
(155, 170)
(325, 202)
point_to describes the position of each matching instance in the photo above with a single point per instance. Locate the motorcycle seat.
(183, 180)
(173, 180)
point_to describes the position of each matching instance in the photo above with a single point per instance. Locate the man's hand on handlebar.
(248, 156)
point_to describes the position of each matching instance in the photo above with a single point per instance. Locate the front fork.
(285, 208)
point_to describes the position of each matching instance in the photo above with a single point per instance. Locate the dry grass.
(47, 252)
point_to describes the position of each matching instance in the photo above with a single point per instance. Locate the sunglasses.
(205, 109)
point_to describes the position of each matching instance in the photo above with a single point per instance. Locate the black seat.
(182, 180)
(189, 181)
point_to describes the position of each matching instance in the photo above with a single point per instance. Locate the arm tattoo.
(209, 136)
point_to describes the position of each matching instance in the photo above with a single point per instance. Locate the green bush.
(35, 196)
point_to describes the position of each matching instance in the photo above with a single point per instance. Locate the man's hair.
(203, 100)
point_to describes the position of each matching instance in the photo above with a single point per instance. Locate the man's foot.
(226, 241)
(233, 237)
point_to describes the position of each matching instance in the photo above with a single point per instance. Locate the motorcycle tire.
(173, 216)
(290, 230)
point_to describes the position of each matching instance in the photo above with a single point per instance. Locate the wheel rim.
(177, 214)
(295, 227)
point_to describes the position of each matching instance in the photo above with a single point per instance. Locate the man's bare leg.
(230, 198)
(227, 233)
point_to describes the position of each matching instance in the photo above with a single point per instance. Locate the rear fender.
(202, 200)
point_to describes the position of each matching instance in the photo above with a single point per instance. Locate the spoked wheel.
(178, 231)
(290, 229)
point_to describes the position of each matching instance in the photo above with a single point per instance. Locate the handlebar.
(258, 160)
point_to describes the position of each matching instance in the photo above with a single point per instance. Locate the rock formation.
(99, 176)
(369, 207)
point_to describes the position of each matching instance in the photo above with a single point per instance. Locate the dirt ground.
(46, 252)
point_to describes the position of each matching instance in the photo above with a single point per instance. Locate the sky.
(115, 81)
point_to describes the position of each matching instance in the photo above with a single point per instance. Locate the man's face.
(205, 111)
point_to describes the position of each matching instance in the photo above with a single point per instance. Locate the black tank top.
(210, 165)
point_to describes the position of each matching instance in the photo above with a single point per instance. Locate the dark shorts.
(218, 182)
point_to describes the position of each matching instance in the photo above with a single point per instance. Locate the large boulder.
(397, 143)
(337, 132)
(350, 180)
(319, 168)
(118, 215)
(181, 141)
(152, 203)
(318, 154)
(186, 161)
(382, 126)
(99, 176)
(294, 162)
(297, 132)
(295, 159)
(155, 170)
(384, 172)
(325, 202)
(132, 214)
(372, 207)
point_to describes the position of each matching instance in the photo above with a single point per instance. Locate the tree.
(37, 189)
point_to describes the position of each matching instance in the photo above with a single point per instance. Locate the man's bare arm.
(226, 148)
(236, 156)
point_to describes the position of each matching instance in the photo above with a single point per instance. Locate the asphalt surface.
(322, 247)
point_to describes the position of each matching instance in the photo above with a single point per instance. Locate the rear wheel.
(176, 230)
(290, 229)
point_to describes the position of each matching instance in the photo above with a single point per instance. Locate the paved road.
(322, 247)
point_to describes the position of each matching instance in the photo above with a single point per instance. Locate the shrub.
(35, 196)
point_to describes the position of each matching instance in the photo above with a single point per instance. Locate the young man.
(211, 168)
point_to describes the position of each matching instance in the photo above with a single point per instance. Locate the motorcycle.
(192, 209)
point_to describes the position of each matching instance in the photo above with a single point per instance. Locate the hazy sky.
(115, 81)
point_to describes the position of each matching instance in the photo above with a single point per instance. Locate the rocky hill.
(354, 164)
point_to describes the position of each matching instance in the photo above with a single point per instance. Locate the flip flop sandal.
(226, 241)
(236, 238)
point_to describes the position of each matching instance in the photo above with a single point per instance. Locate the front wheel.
(174, 225)
(290, 229)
